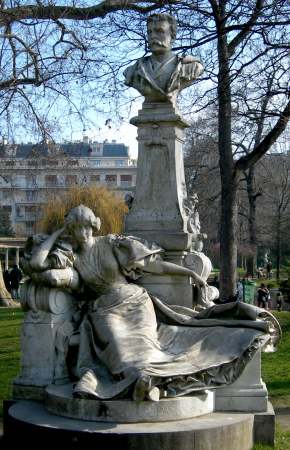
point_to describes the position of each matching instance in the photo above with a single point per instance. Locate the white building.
(29, 173)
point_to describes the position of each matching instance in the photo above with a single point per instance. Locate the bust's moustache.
(159, 43)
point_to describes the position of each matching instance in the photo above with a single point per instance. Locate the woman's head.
(81, 222)
(82, 215)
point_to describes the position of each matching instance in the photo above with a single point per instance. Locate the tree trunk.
(5, 298)
(252, 198)
(228, 247)
(229, 178)
(278, 246)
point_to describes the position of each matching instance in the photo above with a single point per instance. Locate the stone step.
(29, 422)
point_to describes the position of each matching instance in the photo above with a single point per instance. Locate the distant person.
(279, 301)
(262, 296)
(6, 279)
(269, 269)
(15, 278)
(129, 198)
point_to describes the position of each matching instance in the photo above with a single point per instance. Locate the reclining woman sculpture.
(131, 343)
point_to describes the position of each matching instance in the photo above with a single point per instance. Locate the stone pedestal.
(241, 416)
(157, 213)
(215, 431)
(247, 393)
(47, 321)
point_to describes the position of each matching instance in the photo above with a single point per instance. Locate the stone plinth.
(59, 401)
(215, 431)
(247, 393)
(47, 322)
(157, 213)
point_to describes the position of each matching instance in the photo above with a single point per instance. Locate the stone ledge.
(59, 401)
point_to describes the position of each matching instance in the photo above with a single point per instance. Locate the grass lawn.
(282, 441)
(10, 321)
(275, 366)
(276, 374)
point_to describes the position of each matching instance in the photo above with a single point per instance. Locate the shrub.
(107, 205)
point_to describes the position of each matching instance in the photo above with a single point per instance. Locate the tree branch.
(249, 160)
(75, 13)
(246, 29)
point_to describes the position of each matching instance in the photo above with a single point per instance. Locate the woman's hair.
(82, 215)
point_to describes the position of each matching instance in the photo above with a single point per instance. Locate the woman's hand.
(202, 284)
(198, 280)
(166, 268)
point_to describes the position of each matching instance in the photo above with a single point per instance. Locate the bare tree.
(203, 177)
(274, 210)
(232, 36)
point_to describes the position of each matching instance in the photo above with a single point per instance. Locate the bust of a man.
(161, 76)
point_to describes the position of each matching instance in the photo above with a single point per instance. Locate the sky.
(124, 133)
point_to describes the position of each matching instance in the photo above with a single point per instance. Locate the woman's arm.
(39, 256)
(58, 278)
(167, 268)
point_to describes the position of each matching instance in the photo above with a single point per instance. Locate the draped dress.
(127, 332)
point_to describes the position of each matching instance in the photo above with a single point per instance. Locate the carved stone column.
(157, 213)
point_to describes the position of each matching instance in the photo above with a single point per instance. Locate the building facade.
(30, 174)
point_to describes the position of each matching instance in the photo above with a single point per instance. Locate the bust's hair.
(82, 215)
(161, 17)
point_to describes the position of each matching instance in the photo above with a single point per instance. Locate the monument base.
(29, 420)
(59, 401)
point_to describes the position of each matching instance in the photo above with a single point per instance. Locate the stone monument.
(159, 212)
(108, 356)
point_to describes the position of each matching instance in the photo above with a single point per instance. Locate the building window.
(31, 181)
(31, 212)
(96, 162)
(70, 180)
(31, 195)
(30, 227)
(126, 180)
(111, 180)
(19, 211)
(50, 180)
(95, 179)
